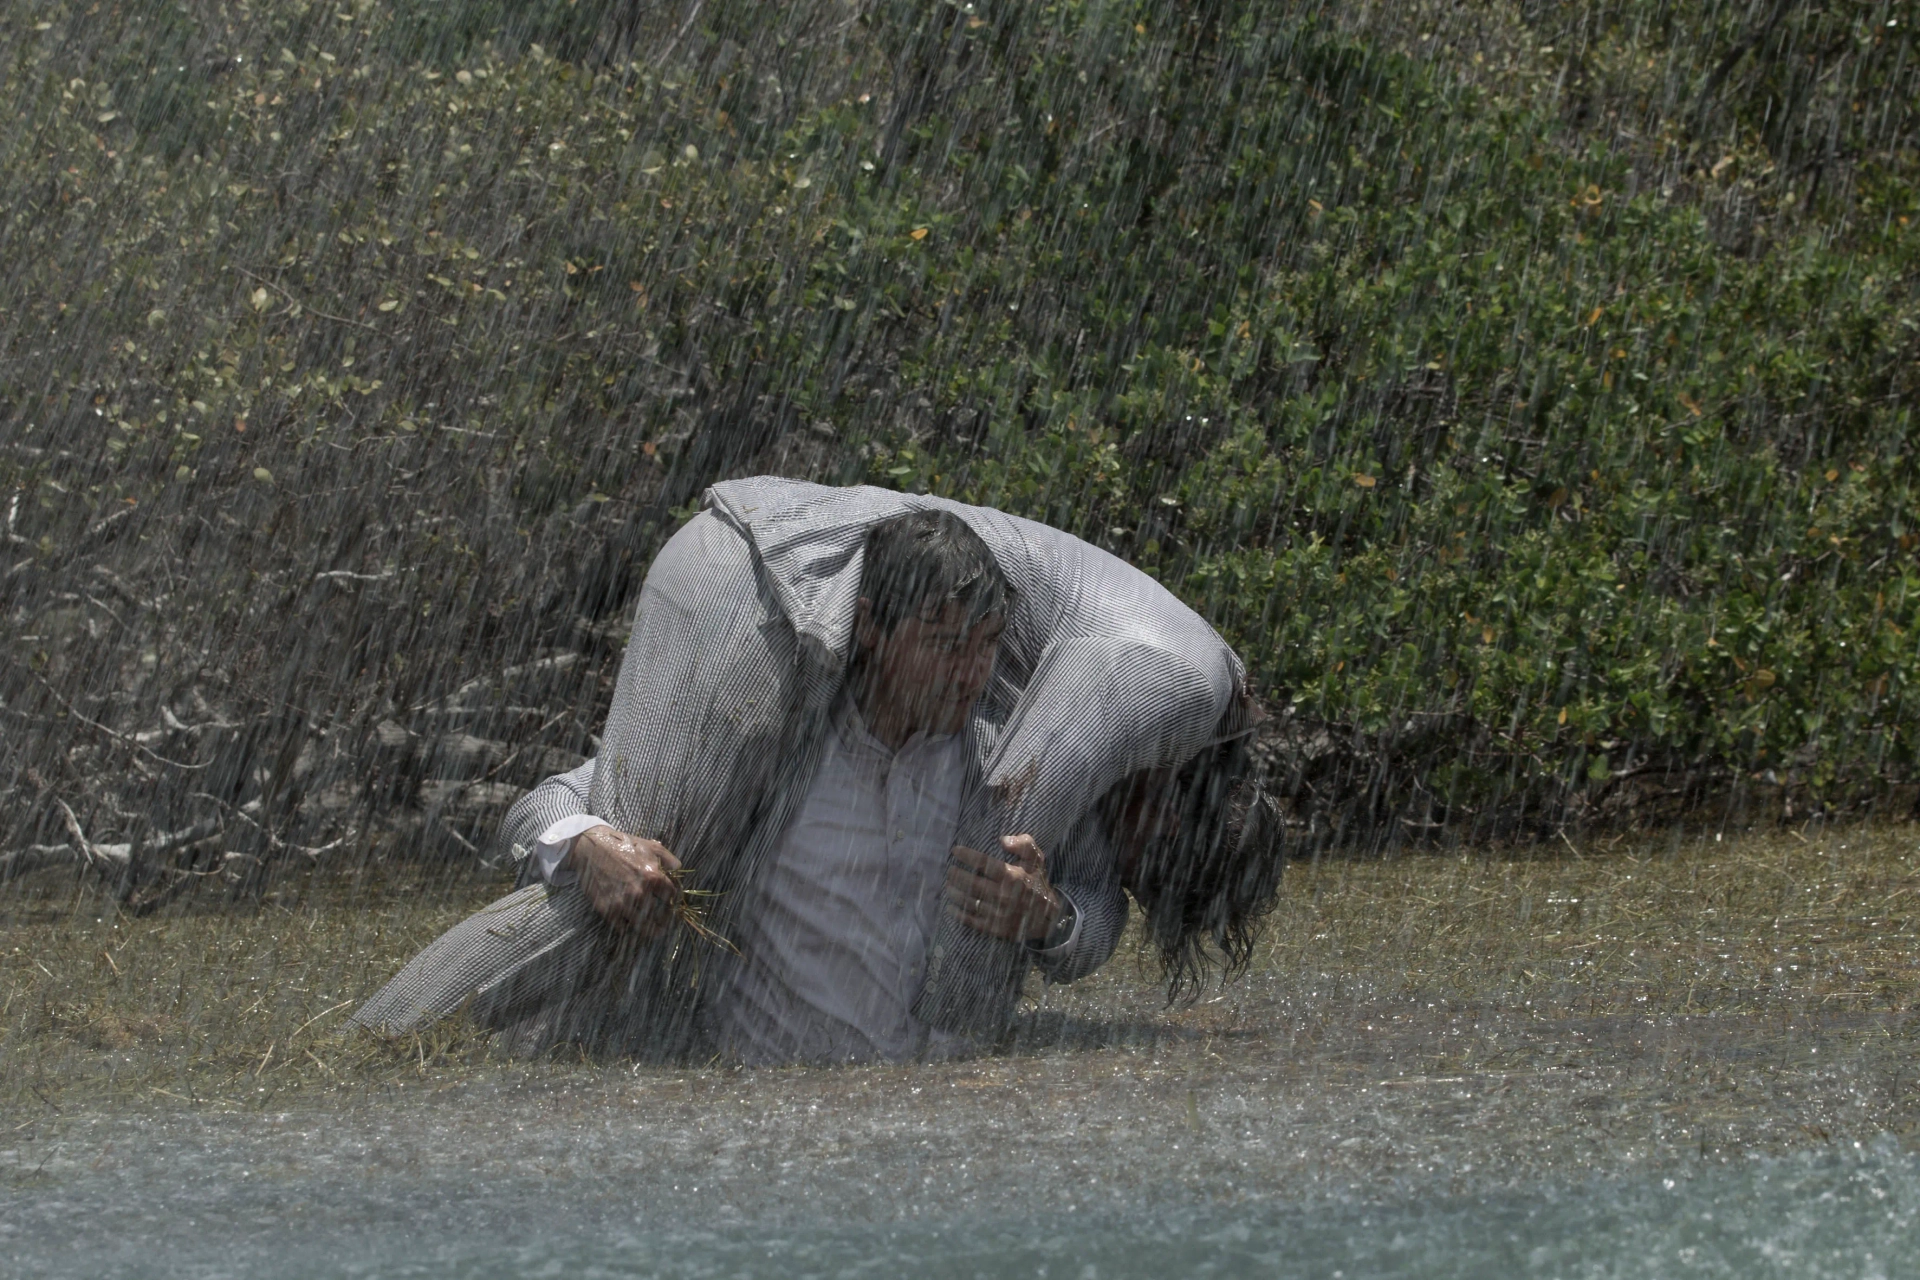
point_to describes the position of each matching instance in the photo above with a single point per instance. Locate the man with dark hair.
(804, 661)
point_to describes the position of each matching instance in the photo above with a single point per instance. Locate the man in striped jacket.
(825, 690)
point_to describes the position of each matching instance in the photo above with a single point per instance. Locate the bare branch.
(119, 856)
(129, 742)
(35, 856)
(558, 662)
(274, 842)
(348, 575)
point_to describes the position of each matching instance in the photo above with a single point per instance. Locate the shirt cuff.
(550, 854)
(1065, 948)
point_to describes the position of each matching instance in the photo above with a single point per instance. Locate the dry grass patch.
(1500, 959)
(213, 999)
(1666, 926)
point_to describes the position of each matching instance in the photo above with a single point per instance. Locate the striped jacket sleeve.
(561, 796)
(1083, 869)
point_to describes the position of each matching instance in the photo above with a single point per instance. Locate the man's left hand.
(1007, 900)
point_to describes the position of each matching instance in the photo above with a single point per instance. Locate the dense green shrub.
(1528, 402)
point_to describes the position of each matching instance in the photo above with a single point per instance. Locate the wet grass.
(1754, 925)
(213, 1001)
(1757, 951)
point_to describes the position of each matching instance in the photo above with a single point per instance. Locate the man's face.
(929, 670)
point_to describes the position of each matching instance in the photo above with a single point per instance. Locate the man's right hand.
(626, 879)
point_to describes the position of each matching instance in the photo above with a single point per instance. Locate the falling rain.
(1520, 393)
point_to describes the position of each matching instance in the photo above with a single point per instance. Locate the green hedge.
(1528, 397)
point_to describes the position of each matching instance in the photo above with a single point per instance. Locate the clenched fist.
(1008, 900)
(626, 880)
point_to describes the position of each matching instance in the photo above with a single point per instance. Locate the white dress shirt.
(835, 941)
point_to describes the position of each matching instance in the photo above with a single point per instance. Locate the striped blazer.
(740, 646)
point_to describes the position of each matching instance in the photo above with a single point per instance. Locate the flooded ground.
(870, 1176)
(1685, 1057)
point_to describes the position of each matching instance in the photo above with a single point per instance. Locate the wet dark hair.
(921, 561)
(1206, 886)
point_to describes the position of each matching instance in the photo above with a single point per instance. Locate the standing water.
(1118, 1162)
(563, 1188)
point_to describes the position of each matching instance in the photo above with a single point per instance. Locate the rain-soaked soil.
(1433, 1036)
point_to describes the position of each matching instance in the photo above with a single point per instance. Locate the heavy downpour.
(860, 637)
